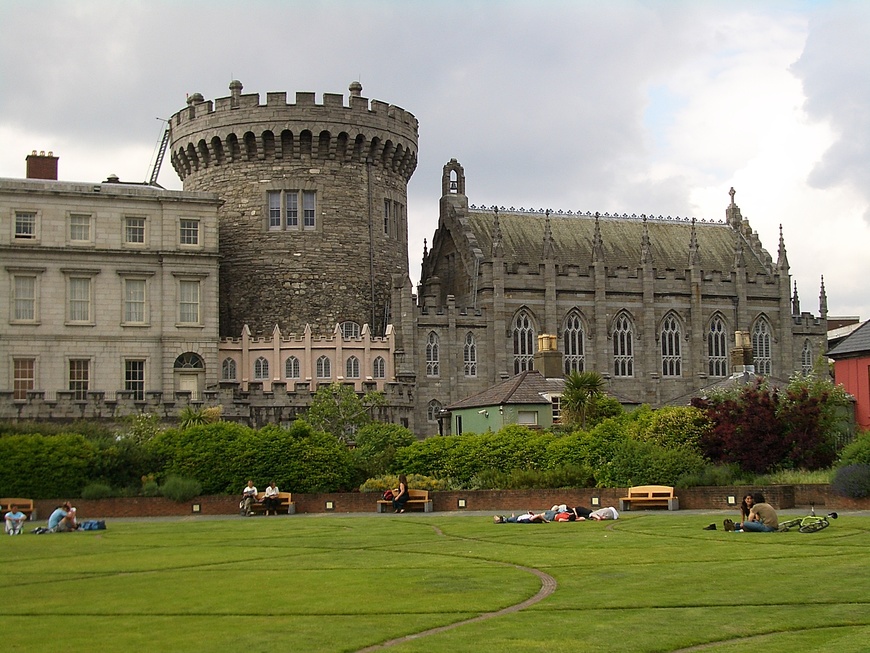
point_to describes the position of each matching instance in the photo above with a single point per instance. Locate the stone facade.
(314, 216)
(650, 303)
(106, 287)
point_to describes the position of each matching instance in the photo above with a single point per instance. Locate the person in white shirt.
(14, 520)
(249, 497)
(270, 499)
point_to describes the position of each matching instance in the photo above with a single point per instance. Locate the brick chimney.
(41, 166)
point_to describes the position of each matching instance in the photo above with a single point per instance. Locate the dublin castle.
(283, 266)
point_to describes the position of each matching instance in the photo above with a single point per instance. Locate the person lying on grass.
(523, 518)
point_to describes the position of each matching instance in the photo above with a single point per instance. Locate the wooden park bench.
(24, 505)
(417, 498)
(285, 500)
(651, 496)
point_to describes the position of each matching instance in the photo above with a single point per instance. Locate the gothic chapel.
(651, 303)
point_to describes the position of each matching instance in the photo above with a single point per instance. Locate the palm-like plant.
(581, 388)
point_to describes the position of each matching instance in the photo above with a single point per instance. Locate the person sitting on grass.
(523, 518)
(14, 520)
(762, 518)
(63, 519)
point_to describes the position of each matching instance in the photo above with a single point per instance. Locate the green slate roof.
(524, 388)
(523, 241)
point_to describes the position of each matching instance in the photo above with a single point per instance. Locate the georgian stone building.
(650, 303)
(105, 287)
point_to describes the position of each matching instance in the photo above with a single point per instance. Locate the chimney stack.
(41, 166)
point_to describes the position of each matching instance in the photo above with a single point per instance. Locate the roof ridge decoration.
(645, 252)
(497, 245)
(589, 214)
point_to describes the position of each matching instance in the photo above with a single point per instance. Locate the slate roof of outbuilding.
(526, 387)
(857, 342)
(523, 237)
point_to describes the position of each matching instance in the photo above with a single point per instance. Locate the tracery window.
(574, 344)
(432, 355)
(291, 368)
(807, 358)
(761, 336)
(717, 348)
(671, 357)
(352, 368)
(623, 347)
(433, 410)
(228, 369)
(323, 368)
(379, 368)
(524, 343)
(469, 355)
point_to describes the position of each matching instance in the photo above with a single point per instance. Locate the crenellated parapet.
(239, 128)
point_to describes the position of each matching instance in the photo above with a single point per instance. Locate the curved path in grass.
(548, 586)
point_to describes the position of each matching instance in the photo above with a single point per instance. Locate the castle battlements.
(239, 128)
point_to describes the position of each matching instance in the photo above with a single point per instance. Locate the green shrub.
(97, 491)
(852, 481)
(150, 489)
(376, 446)
(712, 475)
(643, 463)
(180, 489)
(46, 467)
(415, 481)
(570, 476)
(858, 451)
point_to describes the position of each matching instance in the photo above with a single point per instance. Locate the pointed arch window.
(469, 355)
(291, 368)
(761, 336)
(574, 344)
(524, 343)
(432, 355)
(228, 370)
(351, 368)
(807, 358)
(433, 410)
(261, 369)
(672, 360)
(623, 347)
(717, 348)
(379, 368)
(323, 368)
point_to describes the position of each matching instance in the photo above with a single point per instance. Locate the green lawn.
(648, 582)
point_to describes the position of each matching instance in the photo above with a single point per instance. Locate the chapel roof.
(523, 234)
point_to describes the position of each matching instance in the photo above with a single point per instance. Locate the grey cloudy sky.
(625, 106)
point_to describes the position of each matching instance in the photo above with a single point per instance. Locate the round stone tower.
(314, 219)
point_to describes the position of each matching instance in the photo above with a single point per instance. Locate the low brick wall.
(782, 497)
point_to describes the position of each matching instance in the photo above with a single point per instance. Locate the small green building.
(529, 399)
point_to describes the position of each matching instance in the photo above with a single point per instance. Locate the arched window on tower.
(574, 344)
(761, 347)
(672, 360)
(717, 348)
(261, 369)
(350, 330)
(524, 343)
(469, 355)
(291, 367)
(807, 358)
(432, 355)
(623, 346)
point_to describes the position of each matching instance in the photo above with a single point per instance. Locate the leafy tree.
(339, 410)
(376, 446)
(581, 389)
(671, 426)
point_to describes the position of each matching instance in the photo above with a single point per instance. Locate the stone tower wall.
(353, 157)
